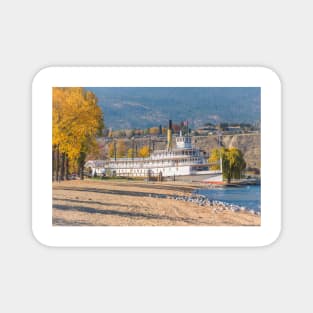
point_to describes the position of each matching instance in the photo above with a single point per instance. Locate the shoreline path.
(133, 203)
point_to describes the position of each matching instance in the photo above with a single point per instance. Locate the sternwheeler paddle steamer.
(183, 162)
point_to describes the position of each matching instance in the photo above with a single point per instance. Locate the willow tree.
(233, 163)
(76, 121)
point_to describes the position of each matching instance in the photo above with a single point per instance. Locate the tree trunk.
(229, 176)
(57, 166)
(81, 168)
(53, 163)
(82, 171)
(78, 169)
(62, 166)
(83, 159)
(66, 167)
(81, 163)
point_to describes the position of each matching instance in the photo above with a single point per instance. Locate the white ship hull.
(214, 178)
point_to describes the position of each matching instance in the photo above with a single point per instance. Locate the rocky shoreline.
(206, 202)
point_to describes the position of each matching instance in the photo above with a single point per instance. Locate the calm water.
(247, 196)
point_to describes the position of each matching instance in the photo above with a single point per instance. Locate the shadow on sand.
(86, 209)
(94, 202)
(114, 192)
(164, 187)
(56, 221)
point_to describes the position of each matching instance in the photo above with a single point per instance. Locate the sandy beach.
(137, 203)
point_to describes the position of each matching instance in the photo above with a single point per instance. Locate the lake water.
(246, 196)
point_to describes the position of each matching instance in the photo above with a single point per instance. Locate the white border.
(180, 236)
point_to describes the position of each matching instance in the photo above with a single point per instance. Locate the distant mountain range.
(142, 107)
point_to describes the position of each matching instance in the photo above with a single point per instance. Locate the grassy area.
(116, 178)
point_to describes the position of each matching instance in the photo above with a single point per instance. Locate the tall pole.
(220, 147)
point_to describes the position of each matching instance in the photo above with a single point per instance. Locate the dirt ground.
(131, 203)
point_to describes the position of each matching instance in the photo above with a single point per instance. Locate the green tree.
(233, 162)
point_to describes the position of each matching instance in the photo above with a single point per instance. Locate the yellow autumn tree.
(144, 152)
(214, 159)
(131, 153)
(76, 121)
(154, 130)
(120, 149)
(111, 150)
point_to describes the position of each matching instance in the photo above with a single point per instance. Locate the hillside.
(126, 107)
(249, 144)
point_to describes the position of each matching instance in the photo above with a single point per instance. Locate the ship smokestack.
(169, 135)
